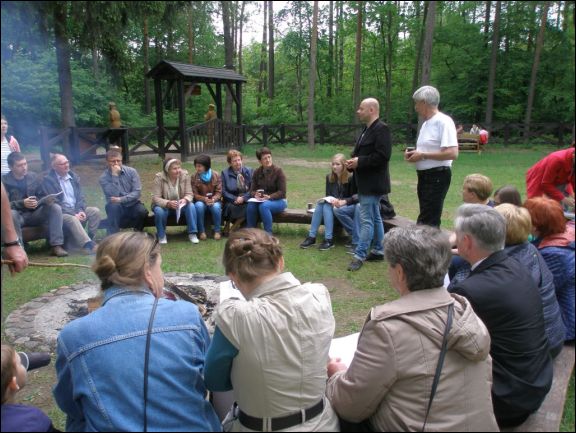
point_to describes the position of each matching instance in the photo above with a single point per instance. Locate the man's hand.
(239, 200)
(30, 202)
(81, 216)
(116, 200)
(115, 170)
(18, 256)
(352, 164)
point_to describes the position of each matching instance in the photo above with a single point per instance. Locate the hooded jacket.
(390, 377)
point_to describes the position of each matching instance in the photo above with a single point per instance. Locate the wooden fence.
(217, 136)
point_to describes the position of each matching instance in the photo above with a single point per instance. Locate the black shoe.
(326, 245)
(375, 257)
(355, 265)
(308, 242)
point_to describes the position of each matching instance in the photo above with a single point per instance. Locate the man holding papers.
(172, 194)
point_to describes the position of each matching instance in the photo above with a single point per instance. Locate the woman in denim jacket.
(100, 357)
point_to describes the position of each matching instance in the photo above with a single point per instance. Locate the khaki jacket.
(390, 377)
(283, 333)
(160, 188)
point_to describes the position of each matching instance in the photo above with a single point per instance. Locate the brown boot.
(217, 236)
(58, 251)
(202, 236)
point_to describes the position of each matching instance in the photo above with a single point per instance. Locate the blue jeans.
(371, 227)
(215, 211)
(349, 217)
(161, 218)
(323, 211)
(265, 209)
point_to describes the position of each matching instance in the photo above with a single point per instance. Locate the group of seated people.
(490, 336)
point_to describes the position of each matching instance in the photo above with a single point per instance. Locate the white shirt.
(5, 151)
(437, 132)
(66, 185)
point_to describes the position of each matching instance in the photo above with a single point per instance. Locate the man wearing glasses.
(64, 182)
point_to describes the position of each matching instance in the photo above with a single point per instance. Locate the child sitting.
(18, 417)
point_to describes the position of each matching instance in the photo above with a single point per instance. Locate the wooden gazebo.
(182, 75)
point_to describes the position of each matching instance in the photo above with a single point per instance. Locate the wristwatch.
(11, 244)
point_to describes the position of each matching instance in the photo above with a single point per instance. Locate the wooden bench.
(469, 142)
(549, 416)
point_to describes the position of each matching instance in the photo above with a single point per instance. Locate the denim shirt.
(126, 185)
(100, 367)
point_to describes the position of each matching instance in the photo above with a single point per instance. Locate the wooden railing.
(217, 136)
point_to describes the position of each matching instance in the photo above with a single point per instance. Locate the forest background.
(493, 61)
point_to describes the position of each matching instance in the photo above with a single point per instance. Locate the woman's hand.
(172, 204)
(335, 365)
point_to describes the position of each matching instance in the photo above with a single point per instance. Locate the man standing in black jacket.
(370, 159)
(504, 295)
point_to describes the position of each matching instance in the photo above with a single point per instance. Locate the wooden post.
(74, 145)
(282, 133)
(182, 122)
(44, 149)
(159, 116)
(124, 144)
(219, 100)
(322, 133)
(265, 135)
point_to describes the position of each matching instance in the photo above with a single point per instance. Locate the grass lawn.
(353, 294)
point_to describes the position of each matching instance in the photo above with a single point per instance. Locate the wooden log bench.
(549, 416)
(291, 216)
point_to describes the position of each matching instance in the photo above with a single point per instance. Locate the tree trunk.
(358, 57)
(270, 50)
(416, 74)
(190, 32)
(262, 77)
(228, 55)
(240, 67)
(428, 42)
(63, 62)
(340, 48)
(535, 64)
(311, 89)
(487, 22)
(145, 48)
(330, 51)
(493, 63)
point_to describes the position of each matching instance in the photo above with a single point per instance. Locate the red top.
(554, 170)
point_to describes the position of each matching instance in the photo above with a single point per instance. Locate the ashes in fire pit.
(36, 324)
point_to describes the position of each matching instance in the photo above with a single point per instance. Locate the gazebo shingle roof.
(202, 74)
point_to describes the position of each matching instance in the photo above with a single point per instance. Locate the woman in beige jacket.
(389, 380)
(172, 194)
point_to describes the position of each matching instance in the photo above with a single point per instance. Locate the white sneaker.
(193, 238)
(163, 240)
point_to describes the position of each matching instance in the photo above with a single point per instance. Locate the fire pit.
(36, 324)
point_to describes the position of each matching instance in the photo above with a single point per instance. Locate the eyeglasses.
(63, 163)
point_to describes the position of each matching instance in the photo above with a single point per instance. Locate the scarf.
(241, 183)
(206, 176)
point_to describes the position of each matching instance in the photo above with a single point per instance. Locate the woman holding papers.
(271, 349)
(268, 191)
(389, 381)
(172, 194)
(341, 198)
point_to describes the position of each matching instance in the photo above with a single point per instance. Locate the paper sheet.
(227, 291)
(344, 348)
(47, 197)
(255, 200)
(178, 211)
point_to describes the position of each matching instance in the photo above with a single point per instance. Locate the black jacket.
(346, 191)
(504, 295)
(16, 195)
(373, 150)
(51, 185)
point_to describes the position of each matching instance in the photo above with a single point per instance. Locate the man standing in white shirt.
(436, 148)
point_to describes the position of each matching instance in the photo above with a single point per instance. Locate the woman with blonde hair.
(172, 194)
(236, 181)
(271, 348)
(341, 194)
(518, 228)
(124, 366)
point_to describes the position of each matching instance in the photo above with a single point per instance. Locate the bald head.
(368, 111)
